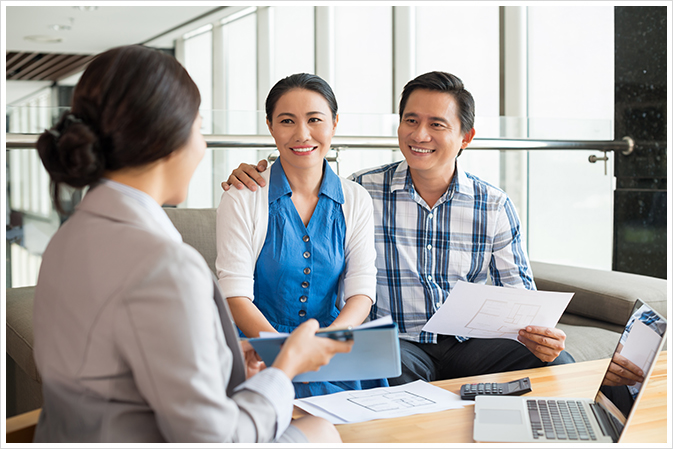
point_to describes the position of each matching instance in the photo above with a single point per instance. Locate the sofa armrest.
(20, 329)
(601, 294)
(21, 428)
(197, 227)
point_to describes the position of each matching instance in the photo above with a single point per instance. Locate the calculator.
(513, 388)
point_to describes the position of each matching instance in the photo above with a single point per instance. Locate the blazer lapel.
(238, 373)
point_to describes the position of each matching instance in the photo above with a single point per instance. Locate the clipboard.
(375, 354)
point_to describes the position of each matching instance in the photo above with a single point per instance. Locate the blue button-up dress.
(297, 272)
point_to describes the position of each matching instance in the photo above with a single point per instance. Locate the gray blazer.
(132, 346)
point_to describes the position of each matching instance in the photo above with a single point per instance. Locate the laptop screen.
(631, 363)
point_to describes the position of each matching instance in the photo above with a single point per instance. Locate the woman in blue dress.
(302, 246)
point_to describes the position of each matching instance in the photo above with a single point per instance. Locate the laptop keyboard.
(559, 420)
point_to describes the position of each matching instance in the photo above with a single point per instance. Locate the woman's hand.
(253, 363)
(303, 351)
(353, 313)
(246, 175)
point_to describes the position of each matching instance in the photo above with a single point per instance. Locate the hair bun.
(71, 155)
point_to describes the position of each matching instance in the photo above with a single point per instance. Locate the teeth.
(303, 150)
(421, 150)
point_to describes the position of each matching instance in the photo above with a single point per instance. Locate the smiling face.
(429, 134)
(302, 128)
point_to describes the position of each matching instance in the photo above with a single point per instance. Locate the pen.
(336, 329)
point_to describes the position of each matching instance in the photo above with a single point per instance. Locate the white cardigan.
(242, 220)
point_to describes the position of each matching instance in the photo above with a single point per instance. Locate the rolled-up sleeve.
(235, 253)
(360, 252)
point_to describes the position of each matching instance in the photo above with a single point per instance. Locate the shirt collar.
(459, 184)
(401, 178)
(330, 186)
(149, 204)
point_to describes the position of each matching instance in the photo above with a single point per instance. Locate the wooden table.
(575, 380)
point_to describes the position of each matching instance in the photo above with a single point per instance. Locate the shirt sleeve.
(509, 264)
(360, 252)
(170, 334)
(235, 262)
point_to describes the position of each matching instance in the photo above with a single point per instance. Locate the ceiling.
(79, 34)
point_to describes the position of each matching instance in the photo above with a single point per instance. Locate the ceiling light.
(86, 8)
(196, 32)
(44, 39)
(238, 15)
(59, 27)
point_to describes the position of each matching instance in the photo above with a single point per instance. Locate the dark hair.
(300, 81)
(133, 105)
(444, 82)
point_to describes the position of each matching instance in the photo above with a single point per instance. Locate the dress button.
(430, 216)
(302, 313)
(429, 278)
(429, 247)
(307, 270)
(306, 238)
(307, 255)
(304, 284)
(303, 299)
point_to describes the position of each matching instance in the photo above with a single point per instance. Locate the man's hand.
(623, 372)
(246, 175)
(546, 343)
(253, 364)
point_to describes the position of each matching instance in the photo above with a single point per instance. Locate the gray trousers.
(450, 359)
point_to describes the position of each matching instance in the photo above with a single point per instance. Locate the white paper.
(379, 403)
(488, 311)
(641, 346)
(377, 322)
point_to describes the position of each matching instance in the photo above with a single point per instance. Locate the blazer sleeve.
(168, 331)
(359, 277)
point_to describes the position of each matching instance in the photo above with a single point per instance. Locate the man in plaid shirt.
(435, 225)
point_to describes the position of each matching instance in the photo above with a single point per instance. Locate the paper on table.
(379, 403)
(640, 347)
(488, 311)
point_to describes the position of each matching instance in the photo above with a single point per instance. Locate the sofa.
(592, 321)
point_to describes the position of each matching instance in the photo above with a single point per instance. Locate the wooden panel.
(43, 66)
(22, 74)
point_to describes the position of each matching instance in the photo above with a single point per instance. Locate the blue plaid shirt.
(423, 251)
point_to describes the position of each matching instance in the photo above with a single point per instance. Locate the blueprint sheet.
(383, 402)
(487, 311)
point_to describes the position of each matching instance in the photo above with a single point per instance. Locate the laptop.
(522, 419)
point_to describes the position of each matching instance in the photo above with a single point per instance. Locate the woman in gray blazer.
(132, 338)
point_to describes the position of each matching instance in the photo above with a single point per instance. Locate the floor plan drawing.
(502, 317)
(387, 401)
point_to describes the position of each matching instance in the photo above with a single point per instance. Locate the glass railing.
(564, 201)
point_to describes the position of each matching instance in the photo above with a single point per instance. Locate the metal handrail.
(625, 145)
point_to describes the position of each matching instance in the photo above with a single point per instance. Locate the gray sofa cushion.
(20, 330)
(589, 343)
(600, 294)
(197, 227)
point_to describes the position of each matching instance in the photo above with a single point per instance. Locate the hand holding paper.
(486, 311)
(546, 343)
